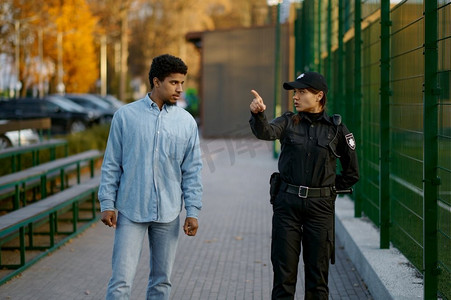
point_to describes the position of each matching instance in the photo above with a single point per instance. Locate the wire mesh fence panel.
(419, 95)
(406, 129)
(369, 160)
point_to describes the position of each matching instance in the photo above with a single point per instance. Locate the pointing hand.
(257, 104)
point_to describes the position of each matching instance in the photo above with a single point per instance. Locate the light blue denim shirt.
(152, 163)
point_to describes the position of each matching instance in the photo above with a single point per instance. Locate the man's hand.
(257, 104)
(108, 218)
(190, 226)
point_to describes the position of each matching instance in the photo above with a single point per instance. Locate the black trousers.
(307, 222)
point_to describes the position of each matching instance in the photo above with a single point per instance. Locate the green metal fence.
(388, 66)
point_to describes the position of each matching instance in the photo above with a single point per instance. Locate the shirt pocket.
(293, 139)
(328, 144)
(174, 146)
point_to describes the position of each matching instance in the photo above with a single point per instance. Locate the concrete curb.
(388, 274)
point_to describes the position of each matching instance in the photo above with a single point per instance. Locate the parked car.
(68, 104)
(17, 138)
(93, 103)
(65, 119)
(111, 100)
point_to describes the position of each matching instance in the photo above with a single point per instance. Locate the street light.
(60, 88)
(103, 65)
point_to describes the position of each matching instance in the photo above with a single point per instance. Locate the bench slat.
(66, 161)
(23, 216)
(11, 125)
(32, 147)
(35, 172)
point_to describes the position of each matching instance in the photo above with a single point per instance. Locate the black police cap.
(308, 80)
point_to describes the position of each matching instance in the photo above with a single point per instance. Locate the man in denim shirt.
(152, 165)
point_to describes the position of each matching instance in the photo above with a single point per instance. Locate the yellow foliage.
(75, 21)
(40, 24)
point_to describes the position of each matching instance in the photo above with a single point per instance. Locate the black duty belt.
(305, 191)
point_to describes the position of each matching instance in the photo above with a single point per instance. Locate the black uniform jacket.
(309, 150)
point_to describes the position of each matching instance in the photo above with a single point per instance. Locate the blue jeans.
(128, 241)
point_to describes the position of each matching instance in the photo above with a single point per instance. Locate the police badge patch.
(350, 140)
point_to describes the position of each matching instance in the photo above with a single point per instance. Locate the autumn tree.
(160, 26)
(75, 26)
(154, 27)
(18, 20)
(113, 22)
(31, 29)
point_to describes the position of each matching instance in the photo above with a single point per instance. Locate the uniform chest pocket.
(294, 138)
(328, 144)
(323, 142)
(174, 146)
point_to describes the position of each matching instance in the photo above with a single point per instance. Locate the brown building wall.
(233, 63)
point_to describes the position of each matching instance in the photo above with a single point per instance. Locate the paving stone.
(228, 259)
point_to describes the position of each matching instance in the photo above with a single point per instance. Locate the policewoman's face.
(306, 101)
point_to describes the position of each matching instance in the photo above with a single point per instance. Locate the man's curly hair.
(164, 65)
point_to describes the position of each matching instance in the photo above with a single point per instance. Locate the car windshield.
(67, 104)
(92, 102)
(111, 100)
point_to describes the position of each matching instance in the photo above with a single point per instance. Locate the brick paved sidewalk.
(228, 259)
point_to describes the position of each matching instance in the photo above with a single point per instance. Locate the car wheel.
(5, 142)
(77, 126)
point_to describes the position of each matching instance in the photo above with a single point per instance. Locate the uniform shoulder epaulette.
(336, 118)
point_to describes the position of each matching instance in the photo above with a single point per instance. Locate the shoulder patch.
(350, 140)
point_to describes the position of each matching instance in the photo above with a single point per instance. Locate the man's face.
(171, 88)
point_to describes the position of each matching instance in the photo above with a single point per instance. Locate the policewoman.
(303, 208)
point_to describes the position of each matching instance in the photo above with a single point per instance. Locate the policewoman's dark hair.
(297, 118)
(164, 65)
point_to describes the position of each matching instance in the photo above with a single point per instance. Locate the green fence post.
(318, 24)
(339, 102)
(298, 42)
(310, 34)
(358, 94)
(277, 77)
(329, 45)
(430, 148)
(384, 146)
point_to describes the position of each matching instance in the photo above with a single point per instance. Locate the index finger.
(256, 95)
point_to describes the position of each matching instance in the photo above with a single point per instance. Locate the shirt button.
(312, 125)
(311, 138)
(308, 154)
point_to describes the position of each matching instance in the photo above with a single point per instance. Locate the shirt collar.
(152, 104)
(324, 116)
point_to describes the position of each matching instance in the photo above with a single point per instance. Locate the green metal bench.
(15, 153)
(42, 172)
(39, 124)
(21, 224)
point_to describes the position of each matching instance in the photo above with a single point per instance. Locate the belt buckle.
(303, 191)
